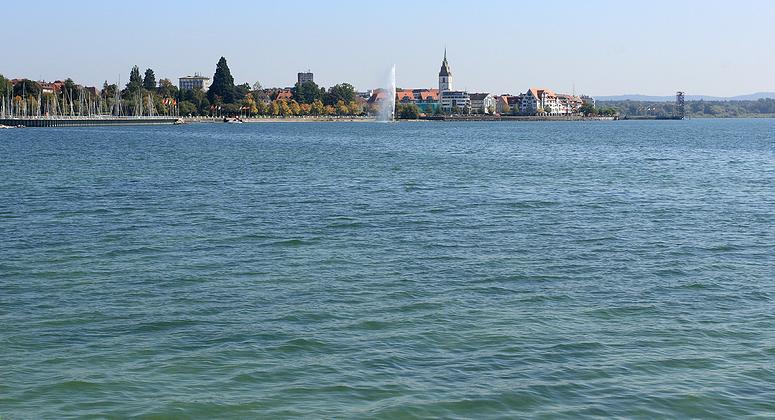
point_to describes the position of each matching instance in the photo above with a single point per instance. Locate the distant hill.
(646, 98)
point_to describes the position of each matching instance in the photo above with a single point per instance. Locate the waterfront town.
(217, 96)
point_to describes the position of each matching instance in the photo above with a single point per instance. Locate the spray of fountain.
(387, 107)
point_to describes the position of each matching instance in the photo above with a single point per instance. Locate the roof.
(401, 94)
(478, 96)
(284, 94)
(429, 94)
(378, 95)
(445, 71)
(537, 92)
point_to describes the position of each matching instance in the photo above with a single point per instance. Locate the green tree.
(587, 109)
(135, 81)
(187, 108)
(344, 92)
(149, 81)
(26, 88)
(167, 89)
(408, 111)
(307, 92)
(5, 87)
(241, 91)
(223, 84)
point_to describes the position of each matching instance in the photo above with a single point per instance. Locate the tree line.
(225, 98)
(696, 109)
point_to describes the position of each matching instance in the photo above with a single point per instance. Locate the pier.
(86, 121)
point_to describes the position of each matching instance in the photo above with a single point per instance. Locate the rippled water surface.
(468, 270)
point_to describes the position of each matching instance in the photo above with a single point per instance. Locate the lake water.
(455, 270)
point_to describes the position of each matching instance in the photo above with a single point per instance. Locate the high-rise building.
(306, 77)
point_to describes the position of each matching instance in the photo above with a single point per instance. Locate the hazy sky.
(602, 47)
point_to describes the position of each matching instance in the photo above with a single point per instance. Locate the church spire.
(445, 74)
(445, 71)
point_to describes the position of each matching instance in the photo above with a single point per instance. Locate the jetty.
(86, 121)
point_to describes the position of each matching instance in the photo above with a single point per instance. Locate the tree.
(241, 91)
(295, 108)
(317, 108)
(26, 88)
(344, 92)
(250, 104)
(587, 109)
(355, 108)
(5, 87)
(187, 108)
(167, 89)
(408, 111)
(135, 81)
(149, 81)
(223, 84)
(307, 92)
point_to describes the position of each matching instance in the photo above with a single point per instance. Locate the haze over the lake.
(600, 47)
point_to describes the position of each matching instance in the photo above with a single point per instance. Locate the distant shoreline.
(472, 118)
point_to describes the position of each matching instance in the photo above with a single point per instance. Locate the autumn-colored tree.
(329, 110)
(285, 110)
(295, 108)
(250, 104)
(355, 108)
(262, 108)
(317, 108)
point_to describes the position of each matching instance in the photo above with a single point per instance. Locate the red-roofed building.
(283, 95)
(546, 102)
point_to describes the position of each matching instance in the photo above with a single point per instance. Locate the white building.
(483, 103)
(194, 82)
(451, 100)
(545, 102)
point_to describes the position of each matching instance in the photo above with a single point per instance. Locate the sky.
(596, 47)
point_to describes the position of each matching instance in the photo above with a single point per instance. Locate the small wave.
(291, 243)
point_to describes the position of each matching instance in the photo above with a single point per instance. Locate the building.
(194, 82)
(569, 104)
(455, 101)
(51, 87)
(545, 102)
(501, 104)
(483, 103)
(305, 77)
(451, 100)
(283, 95)
(588, 100)
(426, 99)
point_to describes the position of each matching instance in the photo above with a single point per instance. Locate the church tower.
(445, 75)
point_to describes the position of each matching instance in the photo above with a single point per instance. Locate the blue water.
(472, 270)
